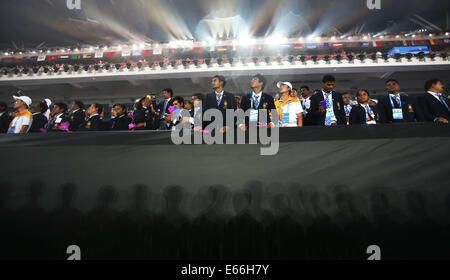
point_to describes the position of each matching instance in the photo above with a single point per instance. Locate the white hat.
(279, 84)
(25, 99)
(48, 101)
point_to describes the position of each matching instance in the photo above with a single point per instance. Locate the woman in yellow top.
(290, 111)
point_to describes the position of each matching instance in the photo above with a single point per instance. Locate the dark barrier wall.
(328, 193)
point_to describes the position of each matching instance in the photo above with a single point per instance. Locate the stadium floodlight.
(212, 42)
(447, 33)
(431, 35)
(397, 36)
(414, 35)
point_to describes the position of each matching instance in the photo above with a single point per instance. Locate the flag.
(18, 59)
(87, 55)
(433, 42)
(41, 57)
(76, 56)
(157, 51)
(126, 53)
(110, 54)
(418, 42)
(64, 56)
(324, 45)
(222, 49)
(198, 50)
(136, 53)
(52, 57)
(338, 45)
(299, 46)
(147, 52)
(405, 43)
(98, 54)
(365, 44)
(8, 60)
(311, 45)
(389, 43)
(186, 50)
(378, 44)
(31, 58)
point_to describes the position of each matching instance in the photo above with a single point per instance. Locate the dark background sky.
(30, 22)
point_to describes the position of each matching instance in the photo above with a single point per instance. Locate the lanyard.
(281, 110)
(392, 102)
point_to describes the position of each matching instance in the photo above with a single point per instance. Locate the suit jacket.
(93, 124)
(76, 120)
(119, 124)
(146, 116)
(53, 125)
(160, 108)
(227, 102)
(433, 108)
(5, 120)
(315, 117)
(39, 121)
(358, 115)
(266, 103)
(411, 111)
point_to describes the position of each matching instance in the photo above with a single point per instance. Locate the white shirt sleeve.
(26, 121)
(298, 108)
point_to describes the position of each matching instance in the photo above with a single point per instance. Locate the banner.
(98, 54)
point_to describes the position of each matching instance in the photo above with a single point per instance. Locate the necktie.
(165, 108)
(256, 102)
(443, 102)
(369, 113)
(396, 101)
(218, 97)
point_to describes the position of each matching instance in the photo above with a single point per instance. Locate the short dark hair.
(391, 80)
(3, 105)
(221, 79)
(429, 84)
(261, 79)
(328, 78)
(189, 101)
(169, 90)
(43, 106)
(294, 89)
(99, 108)
(345, 93)
(365, 90)
(305, 87)
(61, 105)
(179, 99)
(79, 104)
(199, 96)
(121, 106)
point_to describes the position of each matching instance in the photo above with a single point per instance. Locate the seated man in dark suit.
(219, 99)
(93, 122)
(436, 106)
(196, 117)
(121, 121)
(397, 107)
(5, 119)
(58, 120)
(76, 116)
(364, 113)
(39, 119)
(257, 100)
(327, 106)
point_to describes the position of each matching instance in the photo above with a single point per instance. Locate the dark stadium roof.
(49, 23)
